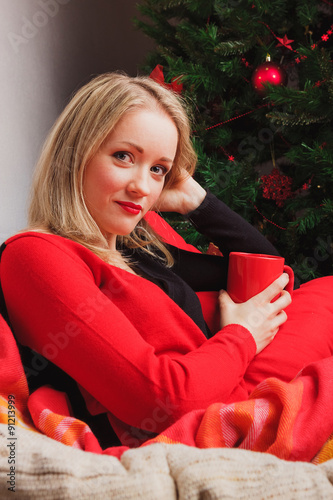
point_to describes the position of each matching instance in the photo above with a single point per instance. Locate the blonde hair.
(57, 201)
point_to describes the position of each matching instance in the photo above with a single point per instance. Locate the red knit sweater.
(131, 349)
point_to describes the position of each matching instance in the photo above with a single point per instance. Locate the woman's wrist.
(198, 194)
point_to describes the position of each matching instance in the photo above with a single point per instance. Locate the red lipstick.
(132, 208)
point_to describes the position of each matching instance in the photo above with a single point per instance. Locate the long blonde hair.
(57, 202)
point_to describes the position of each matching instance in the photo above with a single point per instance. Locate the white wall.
(48, 48)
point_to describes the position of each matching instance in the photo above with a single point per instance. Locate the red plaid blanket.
(293, 421)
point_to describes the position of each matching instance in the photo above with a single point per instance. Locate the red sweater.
(133, 351)
(125, 342)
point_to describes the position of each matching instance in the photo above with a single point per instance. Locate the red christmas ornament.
(277, 187)
(269, 72)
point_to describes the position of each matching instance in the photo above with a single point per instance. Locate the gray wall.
(48, 48)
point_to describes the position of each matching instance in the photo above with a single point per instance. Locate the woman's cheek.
(157, 196)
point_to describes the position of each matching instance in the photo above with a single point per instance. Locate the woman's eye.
(123, 156)
(159, 169)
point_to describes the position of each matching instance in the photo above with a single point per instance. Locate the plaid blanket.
(293, 421)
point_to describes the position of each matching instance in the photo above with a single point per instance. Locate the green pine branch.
(288, 119)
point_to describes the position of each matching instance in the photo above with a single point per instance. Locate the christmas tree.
(257, 78)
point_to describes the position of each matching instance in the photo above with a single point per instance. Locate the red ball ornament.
(269, 72)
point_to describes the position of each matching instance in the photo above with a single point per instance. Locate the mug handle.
(290, 285)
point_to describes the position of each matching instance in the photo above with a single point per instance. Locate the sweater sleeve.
(228, 230)
(57, 309)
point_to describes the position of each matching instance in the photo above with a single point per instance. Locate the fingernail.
(286, 276)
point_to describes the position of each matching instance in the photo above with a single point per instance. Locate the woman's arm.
(232, 233)
(228, 230)
(213, 218)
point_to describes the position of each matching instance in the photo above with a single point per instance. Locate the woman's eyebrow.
(138, 148)
(141, 150)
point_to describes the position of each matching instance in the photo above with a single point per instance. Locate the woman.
(92, 288)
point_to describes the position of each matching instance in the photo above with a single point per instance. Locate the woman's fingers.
(282, 302)
(224, 298)
(273, 289)
(278, 320)
(259, 315)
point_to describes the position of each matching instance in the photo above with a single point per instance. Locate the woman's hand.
(184, 197)
(261, 317)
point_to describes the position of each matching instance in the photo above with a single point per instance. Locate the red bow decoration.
(158, 76)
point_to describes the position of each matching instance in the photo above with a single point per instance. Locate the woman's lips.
(132, 208)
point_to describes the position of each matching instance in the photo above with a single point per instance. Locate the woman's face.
(126, 176)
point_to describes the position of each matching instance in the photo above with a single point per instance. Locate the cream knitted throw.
(46, 469)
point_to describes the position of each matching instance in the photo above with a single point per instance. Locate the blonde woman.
(102, 294)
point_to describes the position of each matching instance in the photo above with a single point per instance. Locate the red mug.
(251, 273)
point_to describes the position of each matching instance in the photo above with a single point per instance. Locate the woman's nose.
(140, 183)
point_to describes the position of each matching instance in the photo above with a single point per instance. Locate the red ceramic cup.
(251, 273)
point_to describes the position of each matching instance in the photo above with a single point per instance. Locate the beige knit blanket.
(46, 469)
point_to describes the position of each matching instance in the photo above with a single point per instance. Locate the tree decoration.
(269, 72)
(277, 187)
(158, 76)
(213, 250)
(329, 32)
(285, 42)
